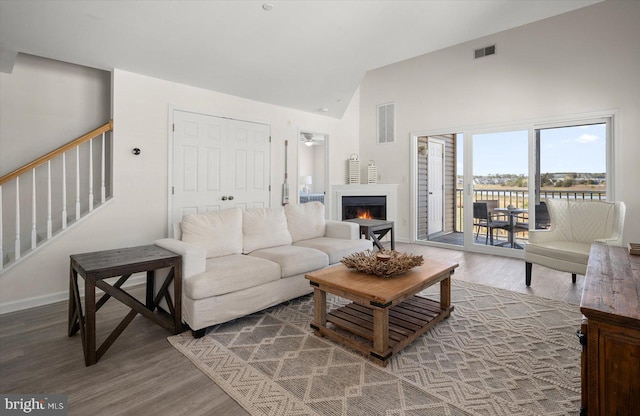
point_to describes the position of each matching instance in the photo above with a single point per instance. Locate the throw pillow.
(219, 232)
(305, 221)
(263, 228)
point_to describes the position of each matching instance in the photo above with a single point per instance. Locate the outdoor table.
(512, 213)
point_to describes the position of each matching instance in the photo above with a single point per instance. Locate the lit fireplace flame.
(364, 214)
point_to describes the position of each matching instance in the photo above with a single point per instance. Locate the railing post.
(77, 183)
(34, 231)
(103, 189)
(1, 233)
(90, 175)
(17, 242)
(64, 191)
(49, 222)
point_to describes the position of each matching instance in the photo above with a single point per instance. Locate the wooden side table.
(375, 230)
(97, 266)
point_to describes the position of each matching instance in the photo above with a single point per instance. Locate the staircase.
(45, 197)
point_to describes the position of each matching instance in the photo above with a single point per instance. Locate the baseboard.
(20, 305)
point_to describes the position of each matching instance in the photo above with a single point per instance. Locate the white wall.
(580, 62)
(138, 212)
(46, 104)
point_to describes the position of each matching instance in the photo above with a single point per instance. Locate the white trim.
(388, 190)
(327, 169)
(19, 305)
(413, 192)
(442, 175)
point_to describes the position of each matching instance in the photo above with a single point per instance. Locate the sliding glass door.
(500, 188)
(483, 190)
(438, 207)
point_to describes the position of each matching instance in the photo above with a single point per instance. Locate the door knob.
(230, 197)
(224, 198)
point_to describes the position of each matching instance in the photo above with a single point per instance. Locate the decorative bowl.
(383, 263)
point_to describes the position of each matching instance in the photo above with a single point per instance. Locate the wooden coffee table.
(386, 315)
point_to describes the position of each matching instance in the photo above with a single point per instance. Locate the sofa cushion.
(336, 248)
(219, 232)
(570, 251)
(229, 274)
(590, 220)
(293, 260)
(305, 221)
(263, 228)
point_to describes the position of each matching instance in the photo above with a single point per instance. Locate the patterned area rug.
(500, 353)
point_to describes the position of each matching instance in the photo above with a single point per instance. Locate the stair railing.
(12, 182)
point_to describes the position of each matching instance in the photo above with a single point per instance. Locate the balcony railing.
(518, 198)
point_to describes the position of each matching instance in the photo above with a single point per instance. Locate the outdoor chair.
(542, 219)
(482, 218)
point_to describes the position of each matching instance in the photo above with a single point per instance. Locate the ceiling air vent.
(486, 51)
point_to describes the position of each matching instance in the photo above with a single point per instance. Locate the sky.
(566, 149)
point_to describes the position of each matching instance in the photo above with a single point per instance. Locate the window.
(571, 161)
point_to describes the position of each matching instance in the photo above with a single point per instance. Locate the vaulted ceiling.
(307, 55)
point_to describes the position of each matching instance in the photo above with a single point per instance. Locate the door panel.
(250, 145)
(218, 163)
(435, 186)
(198, 144)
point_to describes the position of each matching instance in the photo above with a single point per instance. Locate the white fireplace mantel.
(388, 190)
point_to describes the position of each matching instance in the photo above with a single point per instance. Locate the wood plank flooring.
(142, 374)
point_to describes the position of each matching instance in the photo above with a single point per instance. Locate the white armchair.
(575, 225)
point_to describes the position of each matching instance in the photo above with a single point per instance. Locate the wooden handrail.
(43, 159)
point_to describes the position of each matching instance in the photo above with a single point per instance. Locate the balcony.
(517, 197)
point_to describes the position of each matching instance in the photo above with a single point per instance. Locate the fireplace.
(364, 206)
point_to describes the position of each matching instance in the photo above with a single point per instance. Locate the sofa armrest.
(341, 229)
(193, 257)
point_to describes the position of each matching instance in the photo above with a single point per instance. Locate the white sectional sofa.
(240, 261)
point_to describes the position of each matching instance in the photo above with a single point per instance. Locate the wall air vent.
(386, 123)
(486, 51)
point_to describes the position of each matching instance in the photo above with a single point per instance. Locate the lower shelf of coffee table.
(407, 321)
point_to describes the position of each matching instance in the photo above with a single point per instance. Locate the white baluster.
(1, 233)
(49, 222)
(64, 191)
(77, 183)
(103, 189)
(90, 175)
(34, 231)
(17, 243)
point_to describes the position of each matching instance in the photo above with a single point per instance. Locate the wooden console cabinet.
(611, 353)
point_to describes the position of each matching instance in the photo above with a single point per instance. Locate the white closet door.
(218, 163)
(248, 145)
